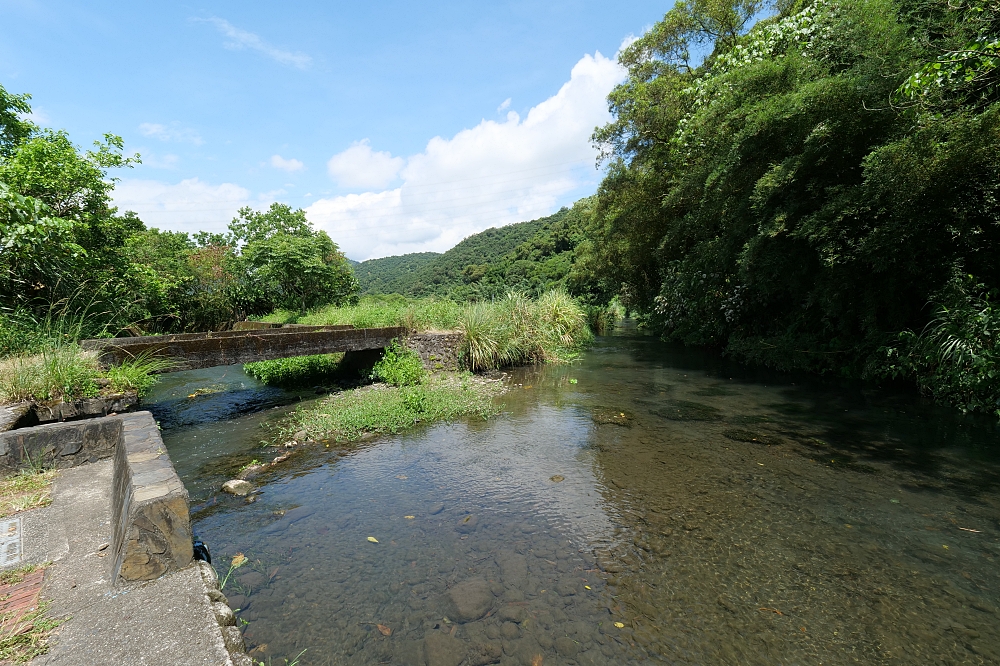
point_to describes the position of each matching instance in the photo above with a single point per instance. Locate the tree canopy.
(68, 254)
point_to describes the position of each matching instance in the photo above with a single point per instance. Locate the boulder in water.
(237, 487)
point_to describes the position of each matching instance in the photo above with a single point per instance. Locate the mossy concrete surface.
(190, 351)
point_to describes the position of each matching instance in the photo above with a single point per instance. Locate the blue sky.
(399, 127)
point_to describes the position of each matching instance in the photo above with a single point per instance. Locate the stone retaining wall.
(152, 526)
(438, 351)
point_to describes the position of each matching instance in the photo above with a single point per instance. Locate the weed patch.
(399, 366)
(296, 371)
(25, 490)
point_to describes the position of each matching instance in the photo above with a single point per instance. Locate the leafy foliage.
(956, 357)
(399, 366)
(390, 275)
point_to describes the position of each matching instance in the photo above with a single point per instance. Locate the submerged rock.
(470, 600)
(237, 487)
(468, 524)
(440, 649)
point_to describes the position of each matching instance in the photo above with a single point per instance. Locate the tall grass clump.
(65, 371)
(511, 330)
(296, 370)
(514, 330)
(137, 374)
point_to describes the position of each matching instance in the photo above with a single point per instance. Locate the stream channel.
(647, 504)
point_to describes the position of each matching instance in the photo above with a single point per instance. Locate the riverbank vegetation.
(807, 185)
(820, 192)
(384, 408)
(68, 372)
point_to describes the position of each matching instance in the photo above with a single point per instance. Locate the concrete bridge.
(248, 342)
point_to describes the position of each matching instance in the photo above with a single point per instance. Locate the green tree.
(284, 263)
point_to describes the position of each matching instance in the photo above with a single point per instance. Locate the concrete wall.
(59, 445)
(150, 511)
(438, 351)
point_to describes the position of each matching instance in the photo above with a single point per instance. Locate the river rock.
(440, 649)
(237, 487)
(565, 646)
(512, 613)
(509, 630)
(484, 652)
(470, 600)
(436, 509)
(513, 568)
(223, 614)
(239, 602)
(468, 524)
(252, 579)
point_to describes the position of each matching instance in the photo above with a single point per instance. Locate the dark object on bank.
(201, 551)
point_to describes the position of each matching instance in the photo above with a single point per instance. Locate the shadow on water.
(649, 504)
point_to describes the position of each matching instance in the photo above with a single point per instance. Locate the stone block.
(150, 511)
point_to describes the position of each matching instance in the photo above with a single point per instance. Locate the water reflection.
(648, 505)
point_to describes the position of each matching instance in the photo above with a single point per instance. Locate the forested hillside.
(390, 275)
(530, 257)
(822, 192)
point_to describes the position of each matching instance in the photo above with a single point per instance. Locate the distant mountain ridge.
(530, 256)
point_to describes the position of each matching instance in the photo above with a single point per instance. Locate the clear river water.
(647, 504)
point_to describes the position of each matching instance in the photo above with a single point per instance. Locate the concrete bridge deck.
(191, 351)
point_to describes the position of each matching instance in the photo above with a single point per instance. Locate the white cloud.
(172, 132)
(289, 165)
(241, 39)
(360, 166)
(190, 205)
(493, 174)
(504, 105)
(150, 159)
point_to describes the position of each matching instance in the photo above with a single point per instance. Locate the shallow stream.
(648, 504)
